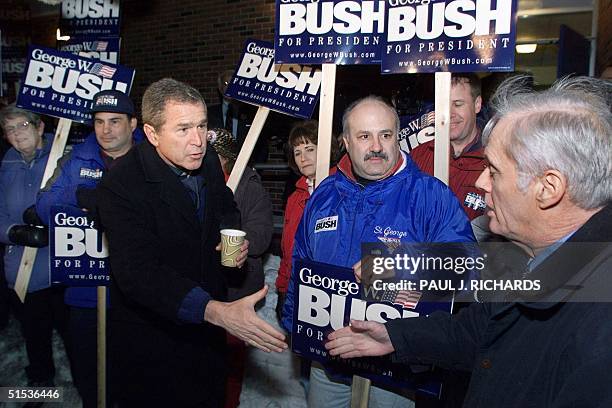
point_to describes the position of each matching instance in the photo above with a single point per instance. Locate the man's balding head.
(370, 128)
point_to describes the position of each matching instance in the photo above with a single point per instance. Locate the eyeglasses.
(19, 128)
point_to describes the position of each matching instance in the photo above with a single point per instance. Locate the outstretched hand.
(240, 320)
(360, 339)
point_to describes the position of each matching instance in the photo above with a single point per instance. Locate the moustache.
(381, 155)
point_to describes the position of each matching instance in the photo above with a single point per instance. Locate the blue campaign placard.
(90, 18)
(62, 84)
(449, 35)
(78, 253)
(329, 31)
(418, 128)
(293, 89)
(104, 49)
(327, 297)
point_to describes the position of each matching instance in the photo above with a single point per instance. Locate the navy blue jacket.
(549, 349)
(19, 183)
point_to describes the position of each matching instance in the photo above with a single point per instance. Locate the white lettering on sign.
(342, 287)
(104, 56)
(74, 242)
(317, 308)
(430, 21)
(62, 219)
(90, 9)
(13, 66)
(344, 17)
(259, 63)
(75, 236)
(61, 75)
(40, 55)
(323, 301)
(253, 48)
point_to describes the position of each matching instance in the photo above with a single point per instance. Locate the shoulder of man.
(423, 156)
(329, 186)
(128, 171)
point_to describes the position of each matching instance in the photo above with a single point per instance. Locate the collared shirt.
(194, 184)
(194, 304)
(545, 253)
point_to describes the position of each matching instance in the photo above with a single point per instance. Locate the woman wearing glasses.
(21, 173)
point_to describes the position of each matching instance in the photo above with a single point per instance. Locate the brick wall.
(191, 42)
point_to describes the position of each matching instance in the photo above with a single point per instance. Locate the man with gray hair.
(549, 190)
(163, 206)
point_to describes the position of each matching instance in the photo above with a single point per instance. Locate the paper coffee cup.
(231, 240)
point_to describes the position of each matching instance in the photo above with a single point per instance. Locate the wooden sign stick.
(101, 332)
(360, 392)
(29, 254)
(326, 117)
(247, 147)
(442, 143)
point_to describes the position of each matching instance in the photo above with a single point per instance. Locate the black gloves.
(86, 197)
(30, 216)
(36, 234)
(29, 235)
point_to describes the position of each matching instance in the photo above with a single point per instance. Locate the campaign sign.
(16, 29)
(288, 88)
(449, 35)
(90, 18)
(327, 297)
(78, 253)
(13, 49)
(102, 49)
(62, 84)
(417, 129)
(329, 31)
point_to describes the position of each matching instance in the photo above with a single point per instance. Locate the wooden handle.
(442, 143)
(247, 147)
(360, 392)
(326, 117)
(29, 254)
(101, 346)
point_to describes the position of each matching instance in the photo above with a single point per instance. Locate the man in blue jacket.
(377, 195)
(73, 183)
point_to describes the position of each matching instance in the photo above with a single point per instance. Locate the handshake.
(33, 233)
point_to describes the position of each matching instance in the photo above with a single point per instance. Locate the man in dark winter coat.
(162, 207)
(73, 183)
(255, 213)
(548, 189)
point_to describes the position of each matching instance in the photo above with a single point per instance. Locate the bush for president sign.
(455, 35)
(78, 252)
(329, 31)
(327, 297)
(61, 84)
(105, 49)
(404, 36)
(288, 88)
(91, 18)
